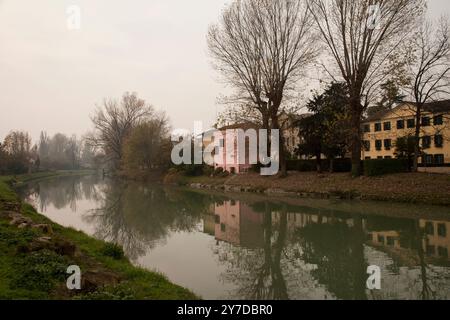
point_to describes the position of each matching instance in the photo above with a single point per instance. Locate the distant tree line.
(129, 138)
(19, 155)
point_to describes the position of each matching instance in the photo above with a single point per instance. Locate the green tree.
(148, 146)
(405, 148)
(327, 130)
(17, 152)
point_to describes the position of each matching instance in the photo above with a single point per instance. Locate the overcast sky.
(51, 77)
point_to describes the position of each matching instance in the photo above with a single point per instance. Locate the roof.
(442, 106)
(244, 126)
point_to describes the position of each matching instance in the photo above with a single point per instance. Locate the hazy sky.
(51, 77)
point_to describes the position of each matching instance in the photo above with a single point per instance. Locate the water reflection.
(255, 248)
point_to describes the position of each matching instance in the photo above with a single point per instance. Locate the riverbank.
(35, 255)
(420, 188)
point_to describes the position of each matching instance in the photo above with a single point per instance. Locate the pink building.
(238, 224)
(230, 156)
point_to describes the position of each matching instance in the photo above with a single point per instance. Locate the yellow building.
(381, 131)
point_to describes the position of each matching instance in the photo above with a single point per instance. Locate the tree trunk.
(319, 163)
(356, 137)
(331, 165)
(417, 138)
(283, 165)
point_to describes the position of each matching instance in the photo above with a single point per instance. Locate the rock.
(44, 239)
(65, 248)
(94, 279)
(17, 219)
(45, 228)
(37, 245)
(10, 206)
(61, 247)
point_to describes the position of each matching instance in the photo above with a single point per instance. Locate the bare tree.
(113, 123)
(430, 72)
(362, 37)
(262, 48)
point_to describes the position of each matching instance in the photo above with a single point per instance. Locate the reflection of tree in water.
(338, 251)
(138, 216)
(272, 272)
(426, 277)
(62, 191)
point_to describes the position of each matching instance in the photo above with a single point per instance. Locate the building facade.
(381, 131)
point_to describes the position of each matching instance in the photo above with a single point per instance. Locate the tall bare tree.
(262, 48)
(430, 72)
(113, 123)
(362, 37)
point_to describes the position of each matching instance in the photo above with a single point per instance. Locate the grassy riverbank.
(406, 187)
(36, 252)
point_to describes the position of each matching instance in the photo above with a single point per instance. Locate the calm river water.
(254, 247)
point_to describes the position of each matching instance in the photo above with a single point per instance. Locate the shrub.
(193, 170)
(378, 167)
(113, 251)
(218, 172)
(301, 165)
(342, 165)
(339, 165)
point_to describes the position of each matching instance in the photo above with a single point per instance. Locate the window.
(223, 227)
(390, 241)
(411, 123)
(438, 120)
(367, 158)
(439, 159)
(381, 239)
(428, 159)
(388, 157)
(443, 252)
(426, 122)
(442, 230)
(366, 145)
(426, 142)
(429, 228)
(431, 250)
(401, 124)
(366, 128)
(387, 144)
(217, 219)
(439, 141)
(380, 158)
(377, 127)
(378, 145)
(387, 126)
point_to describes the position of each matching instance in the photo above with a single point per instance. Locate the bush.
(218, 172)
(339, 165)
(378, 167)
(342, 165)
(193, 170)
(301, 165)
(113, 251)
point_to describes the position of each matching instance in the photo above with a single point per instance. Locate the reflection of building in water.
(437, 242)
(209, 223)
(297, 221)
(385, 238)
(235, 223)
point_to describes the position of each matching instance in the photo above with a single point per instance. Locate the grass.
(42, 274)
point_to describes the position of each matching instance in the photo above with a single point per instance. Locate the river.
(254, 247)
